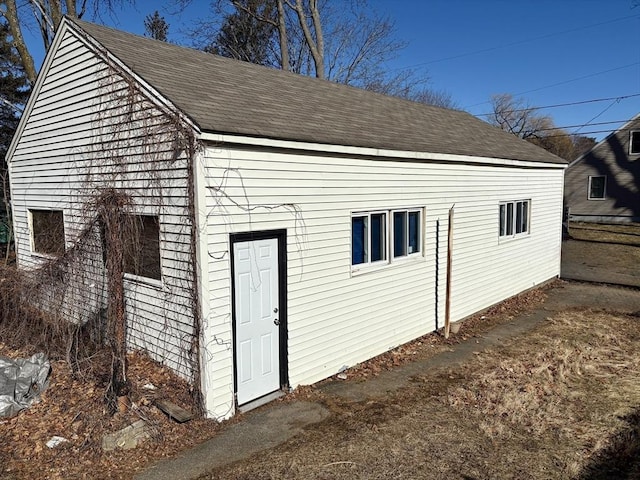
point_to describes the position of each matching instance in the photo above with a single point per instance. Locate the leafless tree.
(516, 116)
(45, 16)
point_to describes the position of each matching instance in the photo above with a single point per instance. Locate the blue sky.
(548, 51)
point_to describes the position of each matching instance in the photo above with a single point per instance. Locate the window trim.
(514, 219)
(32, 233)
(368, 215)
(604, 190)
(389, 238)
(631, 135)
(392, 247)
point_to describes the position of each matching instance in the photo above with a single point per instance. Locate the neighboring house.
(603, 185)
(291, 226)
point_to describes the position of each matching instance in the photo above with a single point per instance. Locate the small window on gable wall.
(597, 187)
(634, 143)
(142, 246)
(47, 232)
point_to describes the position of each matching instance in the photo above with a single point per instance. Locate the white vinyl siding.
(75, 118)
(336, 319)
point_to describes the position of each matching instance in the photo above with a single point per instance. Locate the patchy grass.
(561, 402)
(623, 234)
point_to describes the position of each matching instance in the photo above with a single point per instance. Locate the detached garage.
(288, 227)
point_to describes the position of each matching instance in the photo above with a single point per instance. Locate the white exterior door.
(256, 318)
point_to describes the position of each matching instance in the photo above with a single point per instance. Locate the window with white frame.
(47, 232)
(368, 238)
(634, 143)
(514, 218)
(597, 187)
(406, 233)
(378, 237)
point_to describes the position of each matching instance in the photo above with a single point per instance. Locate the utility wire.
(581, 125)
(520, 42)
(582, 102)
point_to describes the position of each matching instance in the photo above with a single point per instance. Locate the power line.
(623, 97)
(582, 125)
(564, 82)
(520, 42)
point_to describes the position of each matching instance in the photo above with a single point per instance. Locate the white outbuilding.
(289, 227)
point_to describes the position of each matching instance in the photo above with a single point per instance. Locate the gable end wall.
(88, 130)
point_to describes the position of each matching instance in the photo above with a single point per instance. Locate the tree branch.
(11, 14)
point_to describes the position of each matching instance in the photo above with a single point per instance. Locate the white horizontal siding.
(81, 137)
(337, 318)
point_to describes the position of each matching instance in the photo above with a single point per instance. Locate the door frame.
(281, 237)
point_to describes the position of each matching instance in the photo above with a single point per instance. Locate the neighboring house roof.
(605, 141)
(227, 96)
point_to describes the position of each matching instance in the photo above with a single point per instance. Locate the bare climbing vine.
(137, 169)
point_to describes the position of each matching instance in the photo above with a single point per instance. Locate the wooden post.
(447, 300)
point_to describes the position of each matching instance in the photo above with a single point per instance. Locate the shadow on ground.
(621, 459)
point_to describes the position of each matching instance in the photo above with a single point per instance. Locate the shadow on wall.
(624, 197)
(621, 459)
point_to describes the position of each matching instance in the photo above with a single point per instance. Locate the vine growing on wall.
(138, 165)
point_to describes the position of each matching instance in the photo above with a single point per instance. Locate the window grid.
(514, 218)
(382, 237)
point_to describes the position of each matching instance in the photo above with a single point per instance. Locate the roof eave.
(417, 156)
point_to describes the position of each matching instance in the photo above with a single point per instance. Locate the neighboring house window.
(142, 247)
(378, 236)
(634, 144)
(597, 187)
(514, 218)
(47, 231)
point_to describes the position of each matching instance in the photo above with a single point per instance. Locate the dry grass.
(627, 234)
(558, 403)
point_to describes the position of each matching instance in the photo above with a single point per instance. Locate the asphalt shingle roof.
(228, 96)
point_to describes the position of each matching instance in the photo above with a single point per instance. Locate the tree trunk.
(11, 15)
(316, 47)
(113, 245)
(284, 43)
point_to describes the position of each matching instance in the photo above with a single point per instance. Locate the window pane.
(48, 231)
(503, 220)
(510, 218)
(359, 240)
(635, 142)
(399, 234)
(142, 246)
(378, 237)
(596, 187)
(414, 232)
(525, 216)
(519, 217)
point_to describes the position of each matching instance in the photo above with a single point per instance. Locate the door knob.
(276, 321)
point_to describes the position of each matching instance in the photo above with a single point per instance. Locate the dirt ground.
(561, 402)
(602, 253)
